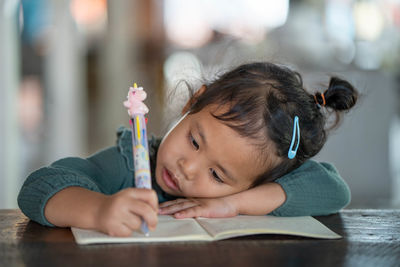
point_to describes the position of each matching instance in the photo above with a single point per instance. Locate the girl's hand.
(199, 207)
(122, 213)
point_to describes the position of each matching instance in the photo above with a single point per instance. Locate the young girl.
(242, 147)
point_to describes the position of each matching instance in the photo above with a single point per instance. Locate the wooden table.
(371, 238)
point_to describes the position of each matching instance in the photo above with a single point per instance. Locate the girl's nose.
(188, 168)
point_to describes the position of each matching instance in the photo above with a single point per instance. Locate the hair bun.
(340, 95)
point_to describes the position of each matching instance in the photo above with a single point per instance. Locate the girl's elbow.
(345, 198)
(23, 205)
(342, 200)
(24, 202)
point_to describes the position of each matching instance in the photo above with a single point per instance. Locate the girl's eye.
(194, 143)
(215, 176)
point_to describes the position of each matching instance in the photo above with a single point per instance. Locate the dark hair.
(263, 99)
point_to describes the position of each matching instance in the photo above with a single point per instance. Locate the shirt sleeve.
(106, 171)
(313, 189)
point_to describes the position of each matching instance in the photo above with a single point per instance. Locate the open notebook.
(170, 229)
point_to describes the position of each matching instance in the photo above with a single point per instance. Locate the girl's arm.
(259, 200)
(87, 193)
(116, 215)
(312, 189)
(91, 173)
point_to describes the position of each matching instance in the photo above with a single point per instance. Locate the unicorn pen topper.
(136, 110)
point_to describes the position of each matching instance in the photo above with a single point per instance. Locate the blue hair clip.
(296, 128)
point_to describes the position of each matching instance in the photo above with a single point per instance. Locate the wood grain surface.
(370, 238)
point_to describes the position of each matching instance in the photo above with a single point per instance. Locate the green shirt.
(312, 189)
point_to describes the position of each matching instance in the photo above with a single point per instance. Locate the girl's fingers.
(171, 209)
(145, 195)
(196, 211)
(132, 221)
(144, 211)
(172, 202)
(122, 230)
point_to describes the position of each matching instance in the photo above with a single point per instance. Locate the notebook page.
(221, 228)
(168, 229)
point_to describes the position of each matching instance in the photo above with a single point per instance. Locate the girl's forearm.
(259, 200)
(74, 206)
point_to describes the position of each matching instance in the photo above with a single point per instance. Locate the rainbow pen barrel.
(140, 152)
(141, 156)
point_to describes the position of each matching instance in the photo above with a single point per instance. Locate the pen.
(140, 150)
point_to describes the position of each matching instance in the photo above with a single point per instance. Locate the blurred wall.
(359, 148)
(9, 83)
(78, 58)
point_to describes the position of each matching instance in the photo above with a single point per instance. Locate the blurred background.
(66, 66)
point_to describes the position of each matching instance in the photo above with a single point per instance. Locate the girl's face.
(202, 157)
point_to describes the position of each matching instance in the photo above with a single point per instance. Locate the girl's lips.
(169, 180)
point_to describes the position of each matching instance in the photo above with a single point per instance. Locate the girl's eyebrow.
(204, 141)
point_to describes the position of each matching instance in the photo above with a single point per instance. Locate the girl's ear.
(193, 99)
